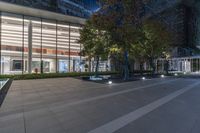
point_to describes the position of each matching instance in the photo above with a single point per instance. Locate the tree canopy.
(154, 43)
(119, 30)
(95, 42)
(121, 19)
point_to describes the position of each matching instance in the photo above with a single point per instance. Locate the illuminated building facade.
(78, 8)
(38, 41)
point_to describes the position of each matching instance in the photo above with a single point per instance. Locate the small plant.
(86, 67)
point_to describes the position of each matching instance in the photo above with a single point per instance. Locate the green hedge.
(53, 75)
(60, 75)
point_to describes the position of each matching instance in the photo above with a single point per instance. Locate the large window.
(63, 47)
(35, 25)
(75, 48)
(49, 46)
(35, 45)
(11, 43)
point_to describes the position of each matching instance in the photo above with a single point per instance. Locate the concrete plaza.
(68, 105)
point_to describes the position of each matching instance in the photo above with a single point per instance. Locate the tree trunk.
(166, 67)
(112, 63)
(97, 66)
(90, 65)
(42, 67)
(152, 64)
(141, 68)
(126, 69)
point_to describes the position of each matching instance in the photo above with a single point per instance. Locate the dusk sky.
(93, 4)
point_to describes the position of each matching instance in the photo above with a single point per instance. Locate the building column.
(57, 62)
(23, 61)
(30, 47)
(80, 62)
(0, 46)
(185, 64)
(69, 48)
(41, 60)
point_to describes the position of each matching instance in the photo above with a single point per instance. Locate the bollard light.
(110, 82)
(143, 78)
(162, 76)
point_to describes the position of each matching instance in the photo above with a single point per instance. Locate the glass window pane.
(49, 46)
(11, 43)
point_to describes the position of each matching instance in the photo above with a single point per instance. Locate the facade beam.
(41, 49)
(69, 47)
(30, 30)
(0, 43)
(23, 61)
(57, 47)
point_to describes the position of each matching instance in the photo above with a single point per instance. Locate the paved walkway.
(68, 105)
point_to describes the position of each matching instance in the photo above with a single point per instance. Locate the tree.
(94, 43)
(115, 58)
(139, 54)
(121, 19)
(156, 43)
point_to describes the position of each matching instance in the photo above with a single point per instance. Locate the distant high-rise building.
(79, 8)
(181, 18)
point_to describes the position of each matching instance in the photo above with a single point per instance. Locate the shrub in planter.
(53, 75)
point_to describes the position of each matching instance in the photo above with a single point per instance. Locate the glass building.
(79, 8)
(38, 41)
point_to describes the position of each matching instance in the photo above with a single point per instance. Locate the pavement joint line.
(122, 121)
(54, 108)
(109, 95)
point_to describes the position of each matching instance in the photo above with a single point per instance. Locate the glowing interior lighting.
(75, 27)
(12, 18)
(63, 26)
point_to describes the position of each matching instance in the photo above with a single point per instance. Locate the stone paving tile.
(14, 128)
(41, 121)
(14, 124)
(78, 124)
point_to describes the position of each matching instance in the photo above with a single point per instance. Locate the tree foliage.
(121, 19)
(155, 43)
(118, 30)
(94, 43)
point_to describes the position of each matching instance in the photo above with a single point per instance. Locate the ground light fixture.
(110, 82)
(184, 73)
(175, 74)
(143, 78)
(162, 76)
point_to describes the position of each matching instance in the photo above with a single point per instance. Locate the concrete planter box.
(5, 85)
